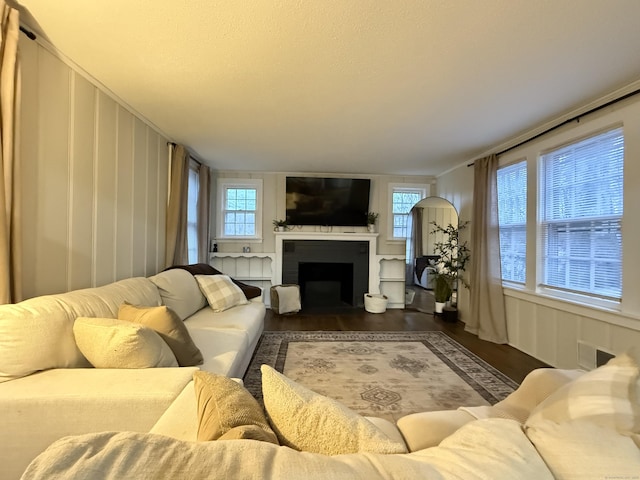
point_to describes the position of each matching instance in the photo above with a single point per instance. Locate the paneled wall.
(94, 181)
(560, 332)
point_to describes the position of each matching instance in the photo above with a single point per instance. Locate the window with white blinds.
(512, 217)
(581, 214)
(192, 213)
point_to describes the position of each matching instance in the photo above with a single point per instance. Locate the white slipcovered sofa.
(49, 390)
(561, 424)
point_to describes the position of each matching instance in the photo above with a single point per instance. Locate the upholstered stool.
(285, 298)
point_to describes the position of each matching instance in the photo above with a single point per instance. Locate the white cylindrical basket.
(375, 302)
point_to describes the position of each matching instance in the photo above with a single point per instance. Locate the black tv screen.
(327, 201)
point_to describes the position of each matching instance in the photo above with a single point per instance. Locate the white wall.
(94, 181)
(544, 327)
(274, 208)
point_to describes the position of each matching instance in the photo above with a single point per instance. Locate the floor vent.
(586, 356)
(603, 357)
(590, 356)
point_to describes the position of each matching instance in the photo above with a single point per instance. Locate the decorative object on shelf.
(371, 221)
(452, 261)
(280, 225)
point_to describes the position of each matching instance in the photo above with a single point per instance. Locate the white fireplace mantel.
(374, 265)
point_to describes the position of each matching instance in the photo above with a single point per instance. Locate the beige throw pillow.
(606, 396)
(112, 343)
(307, 421)
(221, 292)
(227, 411)
(168, 325)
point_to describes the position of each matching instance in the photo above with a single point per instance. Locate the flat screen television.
(327, 201)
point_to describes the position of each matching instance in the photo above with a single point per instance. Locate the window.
(403, 198)
(581, 213)
(241, 204)
(512, 217)
(192, 213)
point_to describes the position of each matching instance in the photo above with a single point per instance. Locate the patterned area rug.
(383, 374)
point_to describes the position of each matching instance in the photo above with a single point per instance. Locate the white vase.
(371, 227)
(440, 306)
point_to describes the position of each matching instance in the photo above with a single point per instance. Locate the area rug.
(383, 374)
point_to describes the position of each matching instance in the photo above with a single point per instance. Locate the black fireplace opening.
(325, 284)
(332, 274)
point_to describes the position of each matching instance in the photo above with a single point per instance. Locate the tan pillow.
(606, 396)
(169, 326)
(307, 421)
(221, 292)
(112, 343)
(227, 411)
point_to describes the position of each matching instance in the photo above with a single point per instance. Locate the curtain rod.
(28, 33)
(570, 120)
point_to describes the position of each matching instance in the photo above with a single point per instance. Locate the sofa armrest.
(428, 429)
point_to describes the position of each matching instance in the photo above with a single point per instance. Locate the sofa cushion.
(37, 335)
(223, 349)
(581, 449)
(179, 291)
(307, 421)
(221, 292)
(606, 396)
(112, 343)
(168, 325)
(226, 410)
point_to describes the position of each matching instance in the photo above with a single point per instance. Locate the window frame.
(225, 184)
(422, 189)
(510, 282)
(587, 298)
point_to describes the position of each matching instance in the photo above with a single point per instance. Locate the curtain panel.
(487, 316)
(10, 242)
(204, 212)
(176, 229)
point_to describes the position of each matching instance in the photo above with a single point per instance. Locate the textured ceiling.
(347, 86)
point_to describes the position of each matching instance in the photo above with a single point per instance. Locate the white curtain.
(487, 318)
(10, 254)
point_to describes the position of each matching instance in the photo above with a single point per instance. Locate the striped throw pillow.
(606, 396)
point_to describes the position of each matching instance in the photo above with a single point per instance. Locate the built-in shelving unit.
(392, 279)
(252, 268)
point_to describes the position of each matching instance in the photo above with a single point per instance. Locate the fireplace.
(326, 284)
(330, 273)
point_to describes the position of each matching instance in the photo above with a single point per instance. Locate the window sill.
(238, 240)
(610, 315)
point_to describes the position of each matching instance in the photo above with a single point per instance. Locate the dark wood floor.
(510, 361)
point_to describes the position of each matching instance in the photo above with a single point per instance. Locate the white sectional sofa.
(49, 390)
(559, 424)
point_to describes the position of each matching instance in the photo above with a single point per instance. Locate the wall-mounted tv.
(327, 201)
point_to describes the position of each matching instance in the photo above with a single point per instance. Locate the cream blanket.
(490, 449)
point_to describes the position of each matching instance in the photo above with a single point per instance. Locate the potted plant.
(280, 225)
(448, 269)
(371, 221)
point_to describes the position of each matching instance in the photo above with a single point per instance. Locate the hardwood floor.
(510, 361)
